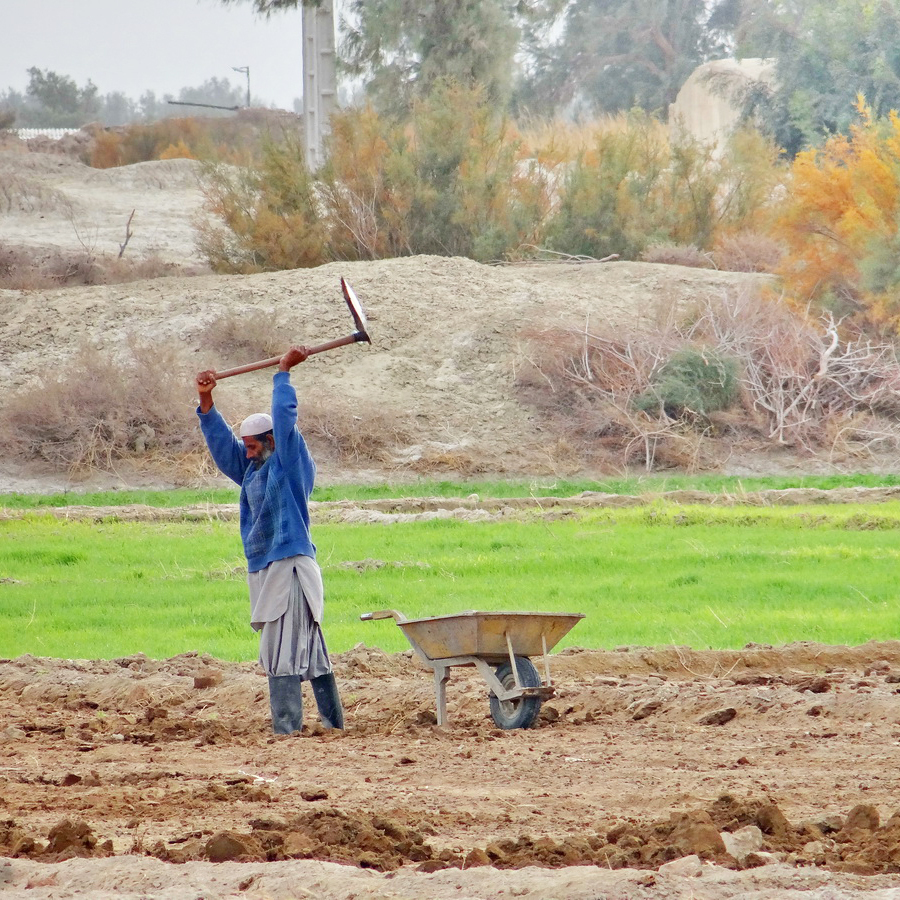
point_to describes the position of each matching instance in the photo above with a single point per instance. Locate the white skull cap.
(258, 423)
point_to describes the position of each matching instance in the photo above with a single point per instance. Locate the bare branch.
(127, 235)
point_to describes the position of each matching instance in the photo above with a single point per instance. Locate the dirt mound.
(735, 834)
(159, 175)
(449, 334)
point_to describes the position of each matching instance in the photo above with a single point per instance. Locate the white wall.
(702, 110)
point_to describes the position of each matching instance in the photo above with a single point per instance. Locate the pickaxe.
(359, 319)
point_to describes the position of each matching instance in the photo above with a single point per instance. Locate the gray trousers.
(292, 642)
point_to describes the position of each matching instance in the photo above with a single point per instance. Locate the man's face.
(259, 450)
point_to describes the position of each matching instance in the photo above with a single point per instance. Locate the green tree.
(404, 47)
(615, 55)
(57, 101)
(827, 54)
(267, 7)
(117, 109)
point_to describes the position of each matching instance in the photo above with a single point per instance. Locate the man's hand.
(206, 381)
(292, 357)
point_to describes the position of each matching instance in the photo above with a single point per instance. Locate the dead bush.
(801, 374)
(678, 255)
(243, 335)
(747, 251)
(801, 385)
(433, 458)
(29, 268)
(102, 409)
(352, 433)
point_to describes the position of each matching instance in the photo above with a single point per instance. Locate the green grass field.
(664, 574)
(647, 484)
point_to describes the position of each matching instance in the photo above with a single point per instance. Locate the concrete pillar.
(319, 78)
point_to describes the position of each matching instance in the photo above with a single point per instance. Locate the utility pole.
(319, 78)
(245, 70)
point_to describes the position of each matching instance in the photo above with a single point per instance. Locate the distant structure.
(319, 78)
(55, 134)
(707, 107)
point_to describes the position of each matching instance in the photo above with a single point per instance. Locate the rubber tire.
(521, 712)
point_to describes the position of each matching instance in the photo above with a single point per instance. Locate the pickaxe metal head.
(356, 310)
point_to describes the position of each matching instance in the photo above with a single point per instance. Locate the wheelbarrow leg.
(441, 677)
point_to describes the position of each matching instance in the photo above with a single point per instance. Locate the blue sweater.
(275, 496)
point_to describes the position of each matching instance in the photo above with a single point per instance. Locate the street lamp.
(246, 71)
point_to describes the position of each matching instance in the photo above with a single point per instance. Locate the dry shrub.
(802, 376)
(353, 434)
(262, 220)
(802, 385)
(232, 139)
(587, 386)
(245, 335)
(678, 255)
(179, 150)
(106, 150)
(747, 251)
(102, 409)
(460, 462)
(29, 268)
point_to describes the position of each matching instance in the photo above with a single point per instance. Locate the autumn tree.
(840, 224)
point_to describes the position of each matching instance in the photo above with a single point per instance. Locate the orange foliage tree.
(839, 224)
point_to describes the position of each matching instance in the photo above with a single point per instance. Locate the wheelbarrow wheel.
(519, 712)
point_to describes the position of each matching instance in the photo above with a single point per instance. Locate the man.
(273, 466)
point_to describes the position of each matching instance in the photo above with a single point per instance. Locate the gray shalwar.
(286, 608)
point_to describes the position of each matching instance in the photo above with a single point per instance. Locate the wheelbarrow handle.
(383, 614)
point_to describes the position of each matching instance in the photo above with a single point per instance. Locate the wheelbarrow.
(499, 645)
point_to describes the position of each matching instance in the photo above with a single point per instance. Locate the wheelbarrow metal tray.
(484, 633)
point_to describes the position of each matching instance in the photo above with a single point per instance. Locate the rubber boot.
(328, 701)
(286, 703)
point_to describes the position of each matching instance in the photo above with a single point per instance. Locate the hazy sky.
(160, 45)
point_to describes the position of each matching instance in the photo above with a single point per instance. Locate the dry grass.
(359, 434)
(29, 269)
(242, 336)
(102, 409)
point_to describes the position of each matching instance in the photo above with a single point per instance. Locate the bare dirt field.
(653, 773)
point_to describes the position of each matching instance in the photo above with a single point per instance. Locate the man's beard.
(264, 454)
